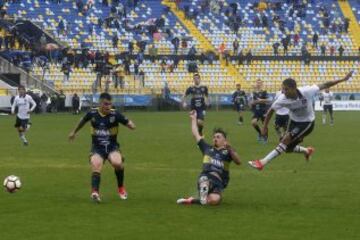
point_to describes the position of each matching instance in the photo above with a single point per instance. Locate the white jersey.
(300, 109)
(23, 104)
(282, 111)
(328, 97)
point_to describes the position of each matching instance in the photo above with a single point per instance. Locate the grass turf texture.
(290, 199)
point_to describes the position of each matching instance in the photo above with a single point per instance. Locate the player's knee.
(118, 165)
(214, 199)
(96, 164)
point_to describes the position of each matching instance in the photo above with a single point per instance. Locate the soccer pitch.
(290, 199)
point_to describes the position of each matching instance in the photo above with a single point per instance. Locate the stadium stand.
(77, 27)
(258, 27)
(200, 27)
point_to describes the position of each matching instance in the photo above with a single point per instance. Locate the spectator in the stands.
(222, 49)
(241, 58)
(153, 51)
(315, 40)
(323, 49)
(249, 57)
(276, 48)
(235, 47)
(66, 69)
(341, 50)
(115, 41)
(176, 42)
(332, 50)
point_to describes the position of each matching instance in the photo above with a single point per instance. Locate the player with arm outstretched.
(199, 101)
(25, 105)
(302, 118)
(104, 130)
(215, 171)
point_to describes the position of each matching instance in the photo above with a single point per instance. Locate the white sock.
(324, 119)
(22, 137)
(273, 154)
(300, 149)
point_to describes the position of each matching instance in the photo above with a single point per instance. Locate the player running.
(327, 98)
(215, 171)
(281, 118)
(104, 130)
(260, 99)
(23, 102)
(199, 101)
(239, 99)
(302, 118)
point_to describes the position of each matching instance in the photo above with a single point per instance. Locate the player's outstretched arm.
(131, 125)
(268, 116)
(72, 134)
(194, 127)
(333, 83)
(234, 155)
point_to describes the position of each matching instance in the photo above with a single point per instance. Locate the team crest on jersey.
(93, 119)
(225, 152)
(112, 119)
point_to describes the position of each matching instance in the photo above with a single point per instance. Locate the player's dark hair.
(21, 87)
(221, 131)
(105, 96)
(196, 75)
(289, 82)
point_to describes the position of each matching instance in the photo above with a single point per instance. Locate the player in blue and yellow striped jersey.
(215, 171)
(104, 129)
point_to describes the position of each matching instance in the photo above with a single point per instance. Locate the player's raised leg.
(117, 161)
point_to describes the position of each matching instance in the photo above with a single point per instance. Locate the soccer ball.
(12, 183)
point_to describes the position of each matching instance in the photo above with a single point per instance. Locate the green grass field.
(290, 199)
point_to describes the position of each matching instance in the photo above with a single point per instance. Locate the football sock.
(95, 181)
(22, 137)
(323, 119)
(195, 201)
(241, 119)
(119, 177)
(257, 129)
(273, 154)
(300, 149)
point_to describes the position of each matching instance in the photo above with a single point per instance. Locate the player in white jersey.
(302, 118)
(25, 105)
(281, 118)
(326, 98)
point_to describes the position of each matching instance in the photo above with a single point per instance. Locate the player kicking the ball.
(104, 129)
(23, 103)
(302, 118)
(216, 160)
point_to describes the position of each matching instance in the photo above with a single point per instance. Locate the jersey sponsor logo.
(217, 163)
(112, 119)
(101, 133)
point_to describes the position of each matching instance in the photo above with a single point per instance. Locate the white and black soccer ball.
(12, 183)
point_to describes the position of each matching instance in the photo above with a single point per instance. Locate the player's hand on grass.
(72, 136)
(348, 76)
